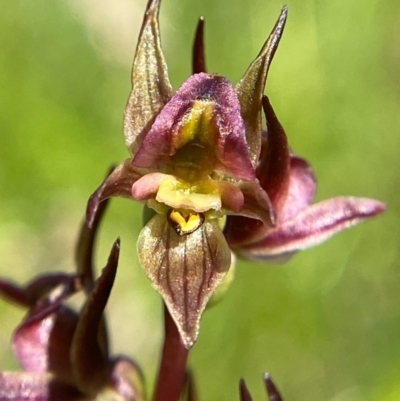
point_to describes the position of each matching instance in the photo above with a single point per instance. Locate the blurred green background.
(327, 324)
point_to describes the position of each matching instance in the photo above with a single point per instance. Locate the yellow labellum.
(185, 222)
(181, 195)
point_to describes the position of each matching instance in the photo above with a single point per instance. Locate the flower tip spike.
(250, 88)
(244, 392)
(272, 391)
(199, 57)
(89, 359)
(151, 88)
(272, 43)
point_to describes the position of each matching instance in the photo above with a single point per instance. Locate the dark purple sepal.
(273, 169)
(199, 57)
(242, 231)
(244, 391)
(88, 358)
(118, 183)
(22, 386)
(151, 88)
(27, 296)
(250, 88)
(225, 139)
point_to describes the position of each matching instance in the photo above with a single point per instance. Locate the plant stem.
(172, 372)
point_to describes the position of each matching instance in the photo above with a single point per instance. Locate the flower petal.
(257, 204)
(251, 87)
(203, 120)
(185, 270)
(199, 57)
(118, 183)
(273, 170)
(151, 88)
(254, 220)
(22, 386)
(313, 226)
(89, 360)
(302, 188)
(42, 342)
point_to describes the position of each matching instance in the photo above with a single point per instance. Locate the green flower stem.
(172, 372)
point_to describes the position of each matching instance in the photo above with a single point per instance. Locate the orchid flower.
(211, 180)
(65, 354)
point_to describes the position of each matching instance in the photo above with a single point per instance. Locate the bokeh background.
(327, 324)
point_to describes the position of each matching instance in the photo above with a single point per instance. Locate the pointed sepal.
(151, 88)
(250, 88)
(199, 56)
(89, 359)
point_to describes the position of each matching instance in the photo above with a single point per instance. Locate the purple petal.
(257, 204)
(273, 170)
(313, 226)
(44, 345)
(254, 220)
(251, 87)
(199, 58)
(185, 270)
(89, 361)
(21, 386)
(301, 188)
(42, 342)
(151, 88)
(222, 144)
(118, 183)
